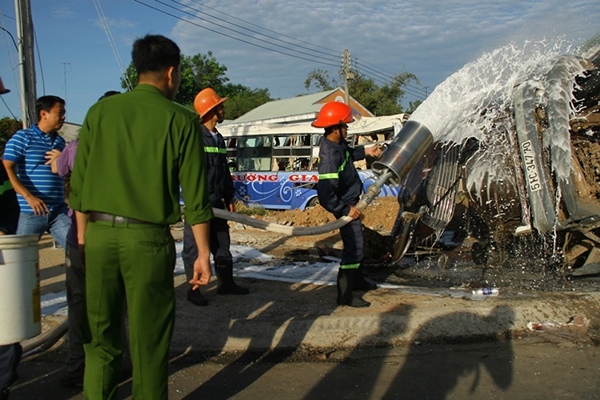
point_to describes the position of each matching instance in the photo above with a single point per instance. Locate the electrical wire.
(267, 42)
(112, 43)
(228, 35)
(328, 54)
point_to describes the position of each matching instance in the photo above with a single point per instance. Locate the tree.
(322, 81)
(380, 100)
(8, 127)
(202, 71)
(241, 99)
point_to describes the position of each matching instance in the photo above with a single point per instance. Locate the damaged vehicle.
(529, 182)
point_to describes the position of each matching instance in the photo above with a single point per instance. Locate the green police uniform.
(135, 150)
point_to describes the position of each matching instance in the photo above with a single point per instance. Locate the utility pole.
(347, 75)
(27, 70)
(65, 77)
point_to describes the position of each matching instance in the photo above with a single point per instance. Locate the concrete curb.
(285, 316)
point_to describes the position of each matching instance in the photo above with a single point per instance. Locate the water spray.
(407, 148)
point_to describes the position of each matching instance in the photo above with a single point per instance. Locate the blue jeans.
(55, 223)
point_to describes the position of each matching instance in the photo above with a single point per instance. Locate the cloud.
(429, 38)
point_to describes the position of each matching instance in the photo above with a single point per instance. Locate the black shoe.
(196, 298)
(364, 284)
(231, 288)
(71, 378)
(355, 301)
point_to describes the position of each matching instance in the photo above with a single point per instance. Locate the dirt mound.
(379, 216)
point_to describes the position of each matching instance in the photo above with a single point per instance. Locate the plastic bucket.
(20, 308)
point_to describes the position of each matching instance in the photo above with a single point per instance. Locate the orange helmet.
(206, 100)
(333, 113)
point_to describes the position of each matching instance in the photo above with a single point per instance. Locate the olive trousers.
(133, 262)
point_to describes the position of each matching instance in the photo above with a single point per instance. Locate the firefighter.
(339, 189)
(209, 106)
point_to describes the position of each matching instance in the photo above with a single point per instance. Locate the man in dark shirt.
(209, 106)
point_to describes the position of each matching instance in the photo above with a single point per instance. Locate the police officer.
(339, 189)
(209, 106)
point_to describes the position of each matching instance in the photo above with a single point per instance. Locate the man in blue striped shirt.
(40, 192)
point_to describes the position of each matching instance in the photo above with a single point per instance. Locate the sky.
(275, 44)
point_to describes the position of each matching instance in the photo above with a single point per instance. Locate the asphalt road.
(520, 368)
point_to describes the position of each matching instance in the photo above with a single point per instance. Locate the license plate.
(531, 170)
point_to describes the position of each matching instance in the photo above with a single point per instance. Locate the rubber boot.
(225, 283)
(361, 283)
(194, 296)
(345, 283)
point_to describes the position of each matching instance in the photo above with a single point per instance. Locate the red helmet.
(333, 113)
(206, 100)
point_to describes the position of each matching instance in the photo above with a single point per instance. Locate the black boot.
(361, 283)
(225, 283)
(345, 282)
(196, 298)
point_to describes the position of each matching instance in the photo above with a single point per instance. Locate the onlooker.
(10, 354)
(135, 150)
(339, 189)
(40, 192)
(210, 107)
(62, 164)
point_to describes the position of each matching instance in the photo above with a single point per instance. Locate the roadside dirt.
(517, 271)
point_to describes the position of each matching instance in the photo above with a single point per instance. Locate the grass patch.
(243, 209)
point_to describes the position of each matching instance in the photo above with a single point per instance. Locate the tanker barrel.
(407, 148)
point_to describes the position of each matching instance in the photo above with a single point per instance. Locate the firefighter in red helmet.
(339, 189)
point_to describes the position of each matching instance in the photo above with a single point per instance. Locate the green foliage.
(202, 71)
(412, 106)
(240, 101)
(380, 100)
(241, 208)
(321, 80)
(8, 127)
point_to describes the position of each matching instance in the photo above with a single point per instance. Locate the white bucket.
(20, 308)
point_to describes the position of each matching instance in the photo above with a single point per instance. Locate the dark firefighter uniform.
(340, 187)
(221, 193)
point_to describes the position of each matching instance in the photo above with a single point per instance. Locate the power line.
(111, 42)
(391, 78)
(267, 42)
(233, 37)
(328, 54)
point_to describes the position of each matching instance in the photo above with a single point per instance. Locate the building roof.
(362, 126)
(300, 108)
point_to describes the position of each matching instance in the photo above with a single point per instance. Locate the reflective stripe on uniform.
(215, 150)
(350, 266)
(333, 175)
(336, 175)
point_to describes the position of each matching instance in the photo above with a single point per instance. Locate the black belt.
(115, 219)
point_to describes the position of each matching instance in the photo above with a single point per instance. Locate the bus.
(274, 166)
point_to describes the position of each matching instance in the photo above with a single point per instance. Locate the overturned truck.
(533, 179)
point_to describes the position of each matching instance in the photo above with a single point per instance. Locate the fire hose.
(409, 145)
(395, 162)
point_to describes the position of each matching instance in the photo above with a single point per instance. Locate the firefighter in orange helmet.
(209, 106)
(339, 189)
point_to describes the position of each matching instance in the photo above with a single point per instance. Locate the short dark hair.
(108, 94)
(46, 103)
(154, 54)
